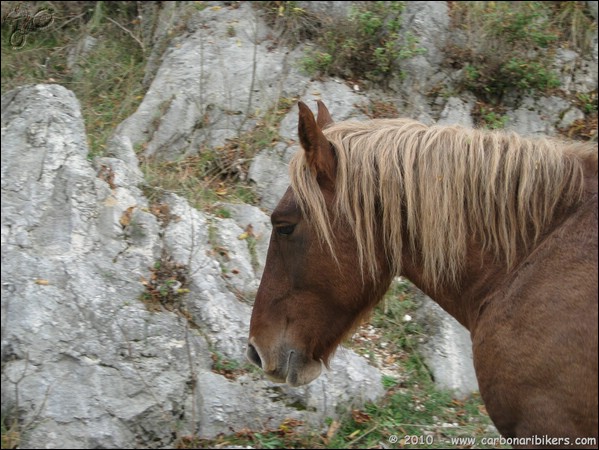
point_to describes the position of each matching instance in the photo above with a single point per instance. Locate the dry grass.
(106, 76)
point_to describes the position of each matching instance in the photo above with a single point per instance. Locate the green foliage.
(489, 116)
(316, 62)
(588, 102)
(506, 46)
(509, 46)
(269, 440)
(528, 75)
(366, 45)
(514, 23)
(221, 364)
(493, 120)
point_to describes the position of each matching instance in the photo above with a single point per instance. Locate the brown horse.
(500, 230)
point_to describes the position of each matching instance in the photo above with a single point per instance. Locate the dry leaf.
(249, 232)
(125, 219)
(221, 190)
(360, 416)
(390, 359)
(333, 428)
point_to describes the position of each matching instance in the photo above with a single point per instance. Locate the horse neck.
(483, 272)
(461, 300)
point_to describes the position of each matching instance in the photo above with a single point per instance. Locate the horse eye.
(285, 230)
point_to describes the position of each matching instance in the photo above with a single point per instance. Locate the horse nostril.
(253, 356)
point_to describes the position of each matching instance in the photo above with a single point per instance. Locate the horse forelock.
(433, 188)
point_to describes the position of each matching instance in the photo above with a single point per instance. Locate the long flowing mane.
(433, 188)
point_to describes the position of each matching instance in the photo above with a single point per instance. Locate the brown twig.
(130, 33)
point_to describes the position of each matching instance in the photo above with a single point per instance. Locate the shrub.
(507, 46)
(504, 46)
(292, 24)
(367, 45)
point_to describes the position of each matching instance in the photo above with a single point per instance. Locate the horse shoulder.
(535, 342)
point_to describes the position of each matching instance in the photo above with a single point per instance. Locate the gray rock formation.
(85, 363)
(90, 365)
(209, 86)
(428, 23)
(447, 350)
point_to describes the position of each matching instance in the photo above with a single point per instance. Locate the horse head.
(312, 294)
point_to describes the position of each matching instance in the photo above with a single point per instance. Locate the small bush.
(292, 24)
(509, 46)
(367, 45)
(166, 286)
(505, 46)
(489, 116)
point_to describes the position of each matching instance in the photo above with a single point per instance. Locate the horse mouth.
(297, 370)
(281, 375)
(293, 368)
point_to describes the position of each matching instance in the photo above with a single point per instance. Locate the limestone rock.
(92, 367)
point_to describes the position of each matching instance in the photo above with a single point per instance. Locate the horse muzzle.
(291, 366)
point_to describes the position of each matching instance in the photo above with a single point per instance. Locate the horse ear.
(324, 116)
(319, 154)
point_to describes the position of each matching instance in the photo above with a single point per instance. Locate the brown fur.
(500, 230)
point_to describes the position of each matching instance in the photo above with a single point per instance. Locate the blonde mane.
(433, 188)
